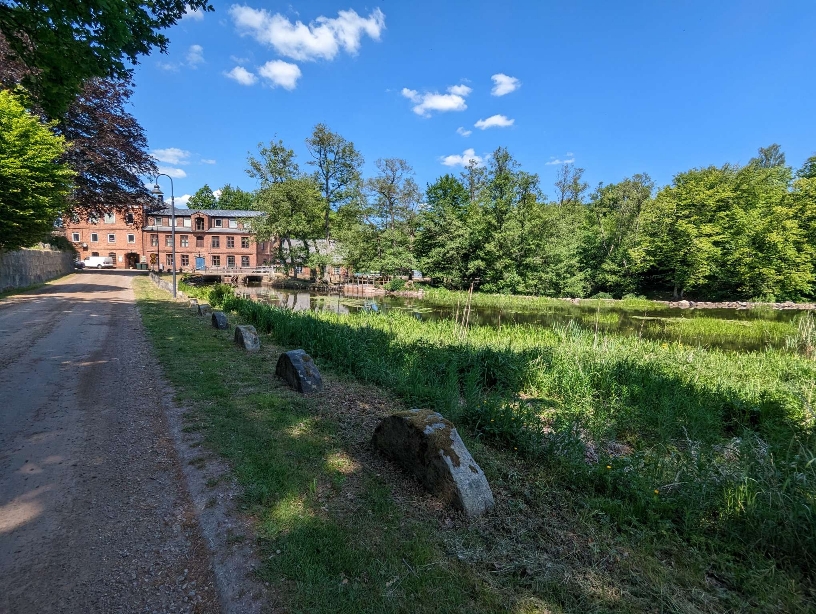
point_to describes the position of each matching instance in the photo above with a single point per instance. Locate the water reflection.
(745, 330)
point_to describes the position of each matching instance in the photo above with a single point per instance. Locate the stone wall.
(27, 267)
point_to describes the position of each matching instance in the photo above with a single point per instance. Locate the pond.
(731, 329)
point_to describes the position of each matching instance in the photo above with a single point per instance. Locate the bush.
(605, 295)
(395, 285)
(218, 293)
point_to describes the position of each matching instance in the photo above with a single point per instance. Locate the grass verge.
(565, 536)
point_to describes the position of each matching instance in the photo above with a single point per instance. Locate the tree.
(292, 208)
(808, 170)
(234, 198)
(108, 150)
(569, 188)
(769, 157)
(203, 199)
(34, 183)
(65, 43)
(338, 166)
(275, 164)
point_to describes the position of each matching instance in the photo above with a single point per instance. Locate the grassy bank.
(630, 475)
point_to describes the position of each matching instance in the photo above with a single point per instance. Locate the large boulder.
(247, 337)
(427, 445)
(299, 371)
(219, 320)
(204, 309)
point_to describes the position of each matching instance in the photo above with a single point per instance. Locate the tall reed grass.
(707, 442)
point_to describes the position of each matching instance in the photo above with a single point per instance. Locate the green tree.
(34, 184)
(337, 164)
(235, 199)
(64, 43)
(275, 163)
(203, 199)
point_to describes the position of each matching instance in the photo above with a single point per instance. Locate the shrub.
(395, 285)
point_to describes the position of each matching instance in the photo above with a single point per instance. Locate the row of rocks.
(737, 305)
(420, 441)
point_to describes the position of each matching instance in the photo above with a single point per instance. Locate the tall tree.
(569, 185)
(64, 42)
(203, 199)
(275, 163)
(108, 150)
(769, 157)
(337, 164)
(234, 198)
(34, 184)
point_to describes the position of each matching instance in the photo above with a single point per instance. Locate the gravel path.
(95, 511)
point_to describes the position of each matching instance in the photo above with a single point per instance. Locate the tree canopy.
(203, 199)
(34, 182)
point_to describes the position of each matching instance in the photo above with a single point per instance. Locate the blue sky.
(618, 88)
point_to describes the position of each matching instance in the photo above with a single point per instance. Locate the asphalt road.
(95, 515)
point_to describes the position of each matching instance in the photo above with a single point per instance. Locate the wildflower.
(609, 466)
(657, 492)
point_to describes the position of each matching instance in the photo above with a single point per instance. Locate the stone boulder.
(204, 309)
(427, 445)
(219, 320)
(194, 306)
(299, 371)
(247, 337)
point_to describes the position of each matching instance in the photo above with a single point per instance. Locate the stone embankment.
(28, 267)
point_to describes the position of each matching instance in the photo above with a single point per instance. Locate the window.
(298, 270)
(231, 261)
(185, 260)
(110, 218)
(216, 242)
(111, 238)
(337, 270)
(233, 223)
(165, 221)
(131, 238)
(199, 223)
(186, 222)
(75, 237)
(230, 242)
(245, 242)
(93, 219)
(244, 260)
(94, 254)
(184, 241)
(129, 218)
(217, 222)
(154, 240)
(199, 241)
(94, 237)
(216, 260)
(168, 241)
(169, 260)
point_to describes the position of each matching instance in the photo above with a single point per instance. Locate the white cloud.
(454, 100)
(217, 193)
(195, 56)
(181, 201)
(494, 121)
(570, 154)
(557, 161)
(239, 60)
(463, 132)
(192, 14)
(241, 75)
(207, 161)
(281, 73)
(175, 173)
(171, 155)
(321, 39)
(462, 160)
(502, 84)
(168, 66)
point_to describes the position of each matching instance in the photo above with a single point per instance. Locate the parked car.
(78, 264)
(98, 262)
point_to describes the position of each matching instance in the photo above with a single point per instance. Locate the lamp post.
(157, 191)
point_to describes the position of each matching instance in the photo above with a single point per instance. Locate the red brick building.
(212, 238)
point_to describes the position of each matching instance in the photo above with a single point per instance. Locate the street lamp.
(157, 191)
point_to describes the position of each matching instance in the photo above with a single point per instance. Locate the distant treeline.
(731, 231)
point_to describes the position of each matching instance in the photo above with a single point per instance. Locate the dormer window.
(199, 223)
(217, 222)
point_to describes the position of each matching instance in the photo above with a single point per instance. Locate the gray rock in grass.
(204, 309)
(299, 371)
(247, 337)
(427, 445)
(219, 320)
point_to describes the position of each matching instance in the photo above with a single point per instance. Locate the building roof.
(208, 212)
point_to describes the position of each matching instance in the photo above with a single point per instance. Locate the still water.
(733, 329)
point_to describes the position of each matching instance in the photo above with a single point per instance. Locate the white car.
(98, 262)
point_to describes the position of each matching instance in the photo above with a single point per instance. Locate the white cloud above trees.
(321, 39)
(503, 84)
(463, 160)
(494, 121)
(171, 155)
(461, 130)
(427, 102)
(280, 73)
(175, 173)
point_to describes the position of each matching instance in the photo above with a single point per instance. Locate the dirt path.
(95, 514)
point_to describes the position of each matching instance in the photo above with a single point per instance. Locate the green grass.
(725, 440)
